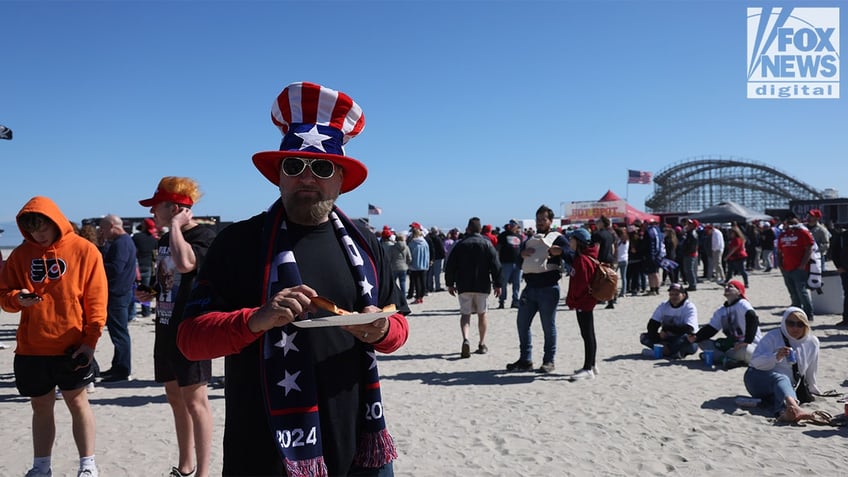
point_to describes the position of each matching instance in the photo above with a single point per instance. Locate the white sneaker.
(89, 388)
(35, 473)
(583, 374)
(88, 472)
(594, 370)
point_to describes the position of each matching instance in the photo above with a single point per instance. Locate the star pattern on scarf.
(289, 382)
(287, 343)
(313, 138)
(366, 287)
(373, 356)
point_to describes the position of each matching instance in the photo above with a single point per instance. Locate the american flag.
(638, 177)
(374, 210)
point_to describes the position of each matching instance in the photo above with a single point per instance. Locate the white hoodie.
(806, 351)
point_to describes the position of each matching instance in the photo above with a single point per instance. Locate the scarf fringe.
(314, 467)
(375, 449)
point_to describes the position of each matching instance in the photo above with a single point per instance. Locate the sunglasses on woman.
(795, 324)
(321, 168)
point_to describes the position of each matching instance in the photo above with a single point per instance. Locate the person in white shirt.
(671, 324)
(771, 374)
(717, 243)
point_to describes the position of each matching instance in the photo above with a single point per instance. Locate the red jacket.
(578, 297)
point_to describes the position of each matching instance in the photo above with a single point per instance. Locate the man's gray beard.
(308, 214)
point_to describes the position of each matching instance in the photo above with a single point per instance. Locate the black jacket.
(473, 265)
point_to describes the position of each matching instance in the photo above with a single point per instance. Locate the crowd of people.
(315, 387)
(243, 292)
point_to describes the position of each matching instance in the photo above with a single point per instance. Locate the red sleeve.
(396, 336)
(215, 334)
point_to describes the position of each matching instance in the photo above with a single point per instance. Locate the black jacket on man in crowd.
(473, 265)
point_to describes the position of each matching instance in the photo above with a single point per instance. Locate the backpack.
(604, 284)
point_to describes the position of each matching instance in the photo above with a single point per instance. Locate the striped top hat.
(316, 122)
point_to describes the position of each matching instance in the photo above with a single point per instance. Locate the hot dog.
(328, 305)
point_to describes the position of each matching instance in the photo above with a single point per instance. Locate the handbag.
(802, 392)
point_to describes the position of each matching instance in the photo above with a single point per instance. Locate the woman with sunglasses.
(770, 375)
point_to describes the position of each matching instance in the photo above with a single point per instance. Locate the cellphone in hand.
(29, 295)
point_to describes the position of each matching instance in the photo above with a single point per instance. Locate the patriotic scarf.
(289, 383)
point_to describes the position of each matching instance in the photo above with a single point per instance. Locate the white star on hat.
(313, 138)
(289, 382)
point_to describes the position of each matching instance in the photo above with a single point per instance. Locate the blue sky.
(473, 108)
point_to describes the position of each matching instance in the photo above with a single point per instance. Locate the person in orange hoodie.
(56, 280)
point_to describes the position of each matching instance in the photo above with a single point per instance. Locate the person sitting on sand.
(671, 324)
(782, 353)
(740, 324)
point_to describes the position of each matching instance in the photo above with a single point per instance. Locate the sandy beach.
(469, 417)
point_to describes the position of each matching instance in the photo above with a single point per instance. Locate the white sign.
(590, 210)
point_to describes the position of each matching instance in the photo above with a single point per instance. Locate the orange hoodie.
(71, 280)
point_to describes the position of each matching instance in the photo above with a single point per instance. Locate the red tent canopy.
(632, 212)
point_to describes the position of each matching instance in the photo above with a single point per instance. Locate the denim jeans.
(400, 278)
(796, 283)
(543, 300)
(434, 275)
(675, 344)
(622, 275)
(765, 258)
(510, 275)
(770, 386)
(690, 270)
(117, 322)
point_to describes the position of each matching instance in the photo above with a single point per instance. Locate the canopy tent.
(728, 212)
(632, 213)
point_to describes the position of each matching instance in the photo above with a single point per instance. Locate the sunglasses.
(321, 168)
(795, 324)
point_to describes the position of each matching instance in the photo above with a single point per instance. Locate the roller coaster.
(696, 183)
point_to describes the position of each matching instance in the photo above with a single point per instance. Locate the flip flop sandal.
(830, 393)
(819, 418)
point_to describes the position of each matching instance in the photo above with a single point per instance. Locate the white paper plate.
(343, 320)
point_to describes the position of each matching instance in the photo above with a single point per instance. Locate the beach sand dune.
(469, 417)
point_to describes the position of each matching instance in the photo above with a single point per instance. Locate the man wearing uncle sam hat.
(301, 400)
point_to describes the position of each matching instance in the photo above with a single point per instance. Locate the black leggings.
(416, 283)
(586, 320)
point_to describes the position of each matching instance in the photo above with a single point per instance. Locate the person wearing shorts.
(181, 252)
(57, 282)
(472, 269)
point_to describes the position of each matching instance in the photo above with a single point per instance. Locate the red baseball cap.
(739, 286)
